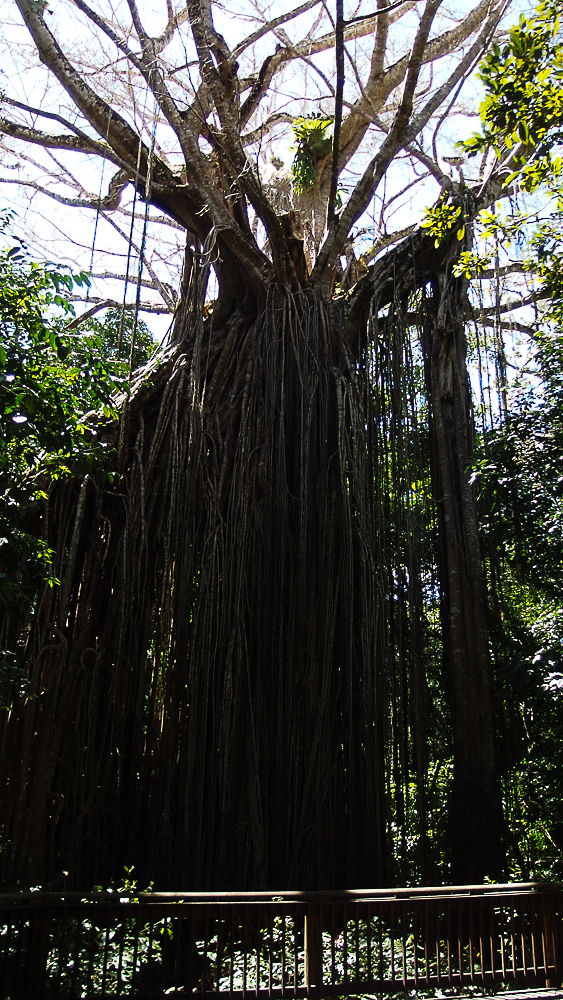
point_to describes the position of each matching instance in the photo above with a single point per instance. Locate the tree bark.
(214, 713)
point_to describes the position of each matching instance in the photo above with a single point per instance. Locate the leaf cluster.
(50, 379)
(441, 219)
(524, 96)
(312, 144)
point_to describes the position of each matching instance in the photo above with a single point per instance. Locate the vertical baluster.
(392, 939)
(283, 951)
(550, 944)
(470, 930)
(481, 942)
(502, 949)
(369, 945)
(62, 928)
(91, 951)
(206, 962)
(345, 943)
(122, 937)
(106, 949)
(270, 951)
(460, 940)
(296, 914)
(534, 932)
(380, 936)
(438, 960)
(135, 950)
(180, 952)
(523, 939)
(233, 931)
(244, 950)
(426, 938)
(149, 951)
(219, 926)
(258, 951)
(332, 945)
(163, 950)
(512, 941)
(403, 941)
(357, 932)
(415, 941)
(449, 939)
(76, 959)
(36, 953)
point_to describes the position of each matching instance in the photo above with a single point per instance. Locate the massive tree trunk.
(209, 676)
(227, 688)
(475, 811)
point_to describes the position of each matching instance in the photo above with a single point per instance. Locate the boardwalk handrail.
(278, 944)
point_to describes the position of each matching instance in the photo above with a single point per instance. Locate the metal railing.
(291, 944)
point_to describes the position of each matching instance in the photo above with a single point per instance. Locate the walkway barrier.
(287, 944)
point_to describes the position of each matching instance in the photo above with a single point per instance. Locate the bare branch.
(71, 143)
(104, 119)
(117, 185)
(266, 127)
(382, 84)
(366, 186)
(513, 304)
(98, 304)
(514, 268)
(472, 55)
(386, 241)
(271, 25)
(102, 24)
(158, 286)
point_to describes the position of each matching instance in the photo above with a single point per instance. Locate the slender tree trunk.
(475, 810)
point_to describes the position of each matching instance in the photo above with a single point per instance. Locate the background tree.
(252, 606)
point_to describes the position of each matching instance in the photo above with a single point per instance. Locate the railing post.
(313, 948)
(37, 952)
(551, 941)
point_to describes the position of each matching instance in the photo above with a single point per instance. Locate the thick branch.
(104, 119)
(117, 185)
(72, 143)
(463, 67)
(513, 304)
(381, 84)
(99, 304)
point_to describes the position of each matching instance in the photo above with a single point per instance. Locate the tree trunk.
(475, 809)
(227, 689)
(208, 678)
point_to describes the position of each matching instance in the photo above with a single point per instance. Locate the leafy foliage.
(441, 219)
(107, 331)
(523, 106)
(50, 378)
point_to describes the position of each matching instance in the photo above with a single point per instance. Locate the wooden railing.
(287, 944)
